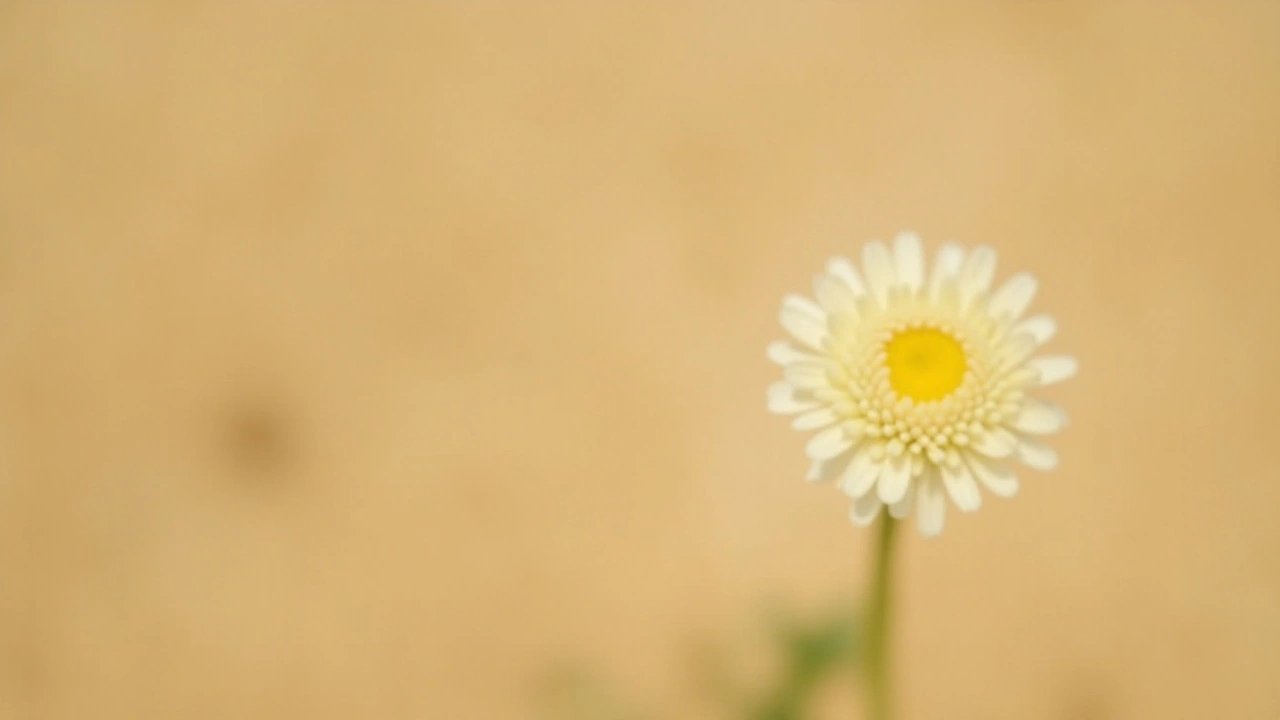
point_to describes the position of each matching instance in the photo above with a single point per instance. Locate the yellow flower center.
(925, 363)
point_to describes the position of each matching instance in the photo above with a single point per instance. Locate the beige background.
(366, 360)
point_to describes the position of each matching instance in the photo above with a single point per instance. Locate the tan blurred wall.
(363, 360)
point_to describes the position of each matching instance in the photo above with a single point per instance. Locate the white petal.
(1021, 378)
(862, 473)
(1054, 368)
(814, 419)
(903, 507)
(784, 400)
(805, 305)
(828, 444)
(960, 485)
(946, 265)
(1036, 455)
(807, 375)
(784, 353)
(844, 270)
(844, 325)
(827, 470)
(878, 266)
(908, 258)
(1013, 298)
(865, 509)
(995, 476)
(931, 505)
(1040, 327)
(804, 320)
(975, 277)
(1014, 352)
(834, 295)
(1039, 418)
(894, 479)
(996, 443)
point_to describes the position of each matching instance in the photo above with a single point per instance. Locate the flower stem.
(878, 689)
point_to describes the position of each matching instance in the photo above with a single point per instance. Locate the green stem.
(878, 689)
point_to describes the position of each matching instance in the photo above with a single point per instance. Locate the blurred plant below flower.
(806, 656)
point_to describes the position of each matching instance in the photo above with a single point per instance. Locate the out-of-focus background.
(369, 359)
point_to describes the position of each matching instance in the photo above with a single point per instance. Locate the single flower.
(916, 383)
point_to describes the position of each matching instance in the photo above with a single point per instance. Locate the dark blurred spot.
(259, 440)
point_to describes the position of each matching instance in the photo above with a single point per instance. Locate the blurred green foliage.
(807, 654)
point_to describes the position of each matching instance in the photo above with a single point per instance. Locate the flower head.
(915, 384)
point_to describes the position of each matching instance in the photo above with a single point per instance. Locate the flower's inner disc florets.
(924, 363)
(921, 391)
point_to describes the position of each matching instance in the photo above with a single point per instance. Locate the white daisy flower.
(916, 383)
